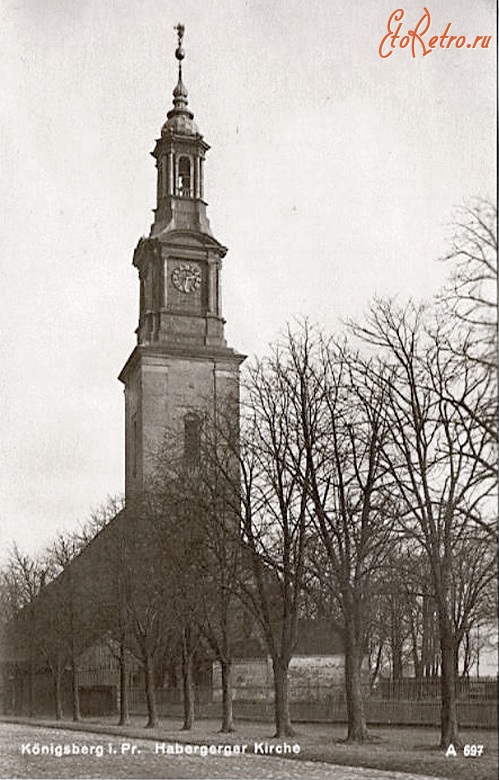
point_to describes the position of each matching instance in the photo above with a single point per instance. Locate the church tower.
(181, 367)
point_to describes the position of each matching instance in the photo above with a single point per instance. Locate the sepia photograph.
(248, 462)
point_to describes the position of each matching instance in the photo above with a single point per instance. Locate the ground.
(113, 752)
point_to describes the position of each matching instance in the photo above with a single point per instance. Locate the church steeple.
(180, 154)
(181, 369)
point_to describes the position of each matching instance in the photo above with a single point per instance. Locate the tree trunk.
(58, 695)
(75, 691)
(152, 713)
(31, 683)
(357, 728)
(124, 706)
(397, 660)
(418, 672)
(227, 718)
(449, 728)
(283, 726)
(426, 654)
(396, 642)
(188, 688)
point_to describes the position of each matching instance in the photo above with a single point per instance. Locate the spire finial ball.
(179, 53)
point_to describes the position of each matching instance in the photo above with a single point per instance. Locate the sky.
(332, 177)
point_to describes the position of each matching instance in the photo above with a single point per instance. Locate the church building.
(180, 374)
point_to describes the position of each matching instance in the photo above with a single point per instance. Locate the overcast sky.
(332, 177)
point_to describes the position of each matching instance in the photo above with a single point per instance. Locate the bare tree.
(71, 611)
(108, 530)
(51, 625)
(474, 591)
(222, 617)
(470, 295)
(184, 554)
(99, 517)
(438, 457)
(88, 609)
(390, 617)
(148, 599)
(469, 304)
(275, 517)
(343, 428)
(22, 581)
(223, 565)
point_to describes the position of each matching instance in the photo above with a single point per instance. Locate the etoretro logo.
(395, 38)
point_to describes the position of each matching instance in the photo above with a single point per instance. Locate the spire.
(179, 118)
(180, 92)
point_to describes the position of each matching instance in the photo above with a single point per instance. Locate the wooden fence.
(403, 704)
(328, 705)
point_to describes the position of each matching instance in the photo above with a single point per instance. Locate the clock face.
(186, 278)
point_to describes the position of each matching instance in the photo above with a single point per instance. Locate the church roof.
(319, 637)
(315, 637)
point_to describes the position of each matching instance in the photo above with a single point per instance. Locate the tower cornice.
(169, 138)
(185, 240)
(161, 354)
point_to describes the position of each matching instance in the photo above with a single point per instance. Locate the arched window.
(192, 439)
(184, 177)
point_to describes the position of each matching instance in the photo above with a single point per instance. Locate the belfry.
(181, 367)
